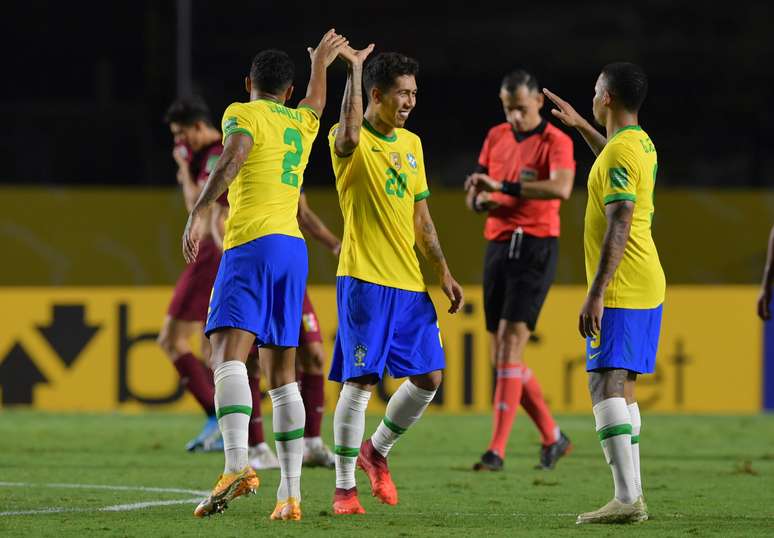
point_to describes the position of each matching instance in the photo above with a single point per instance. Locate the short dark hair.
(272, 71)
(519, 77)
(626, 82)
(187, 111)
(382, 70)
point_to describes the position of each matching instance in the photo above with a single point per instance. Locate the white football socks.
(288, 419)
(614, 427)
(404, 409)
(634, 413)
(233, 405)
(348, 428)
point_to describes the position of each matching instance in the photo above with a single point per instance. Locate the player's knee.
(606, 384)
(430, 381)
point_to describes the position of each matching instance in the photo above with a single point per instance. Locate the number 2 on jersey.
(291, 159)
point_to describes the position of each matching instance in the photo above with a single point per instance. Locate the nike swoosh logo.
(594, 356)
(376, 149)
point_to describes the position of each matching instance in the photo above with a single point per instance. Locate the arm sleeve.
(310, 122)
(236, 119)
(560, 154)
(621, 176)
(421, 190)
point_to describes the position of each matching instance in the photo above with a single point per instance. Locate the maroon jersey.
(203, 162)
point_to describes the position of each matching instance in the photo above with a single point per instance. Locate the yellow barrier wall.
(88, 237)
(94, 349)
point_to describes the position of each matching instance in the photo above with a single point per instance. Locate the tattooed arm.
(427, 241)
(235, 151)
(619, 223)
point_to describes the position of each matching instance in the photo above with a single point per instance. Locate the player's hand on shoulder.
(328, 49)
(355, 57)
(563, 111)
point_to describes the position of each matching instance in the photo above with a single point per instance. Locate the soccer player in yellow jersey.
(386, 317)
(259, 290)
(621, 316)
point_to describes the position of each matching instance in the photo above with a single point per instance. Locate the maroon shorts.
(310, 328)
(191, 298)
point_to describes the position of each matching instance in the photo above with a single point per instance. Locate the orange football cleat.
(345, 502)
(229, 487)
(375, 466)
(287, 510)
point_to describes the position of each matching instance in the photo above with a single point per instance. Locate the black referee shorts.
(517, 275)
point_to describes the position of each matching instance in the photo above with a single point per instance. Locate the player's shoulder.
(499, 130)
(407, 137)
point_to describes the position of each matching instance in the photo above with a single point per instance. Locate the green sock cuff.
(229, 409)
(612, 431)
(635, 439)
(289, 436)
(394, 427)
(346, 451)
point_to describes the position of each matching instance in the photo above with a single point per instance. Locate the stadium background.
(92, 216)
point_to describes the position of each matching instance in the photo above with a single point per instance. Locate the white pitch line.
(106, 487)
(113, 508)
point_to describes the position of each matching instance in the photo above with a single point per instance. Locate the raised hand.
(355, 57)
(330, 46)
(564, 111)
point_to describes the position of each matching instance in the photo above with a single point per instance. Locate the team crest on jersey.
(395, 160)
(411, 160)
(230, 124)
(528, 174)
(360, 355)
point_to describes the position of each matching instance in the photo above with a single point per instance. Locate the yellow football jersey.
(263, 198)
(378, 186)
(626, 170)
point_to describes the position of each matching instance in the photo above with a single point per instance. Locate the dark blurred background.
(86, 84)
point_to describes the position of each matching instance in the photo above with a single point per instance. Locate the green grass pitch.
(703, 476)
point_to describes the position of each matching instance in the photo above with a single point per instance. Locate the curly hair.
(385, 67)
(272, 71)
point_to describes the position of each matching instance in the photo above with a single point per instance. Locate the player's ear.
(288, 93)
(376, 95)
(248, 85)
(540, 100)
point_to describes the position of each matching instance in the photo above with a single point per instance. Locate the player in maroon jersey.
(197, 148)
(525, 169)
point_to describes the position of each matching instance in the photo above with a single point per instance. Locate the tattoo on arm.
(234, 154)
(427, 238)
(619, 223)
(351, 117)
